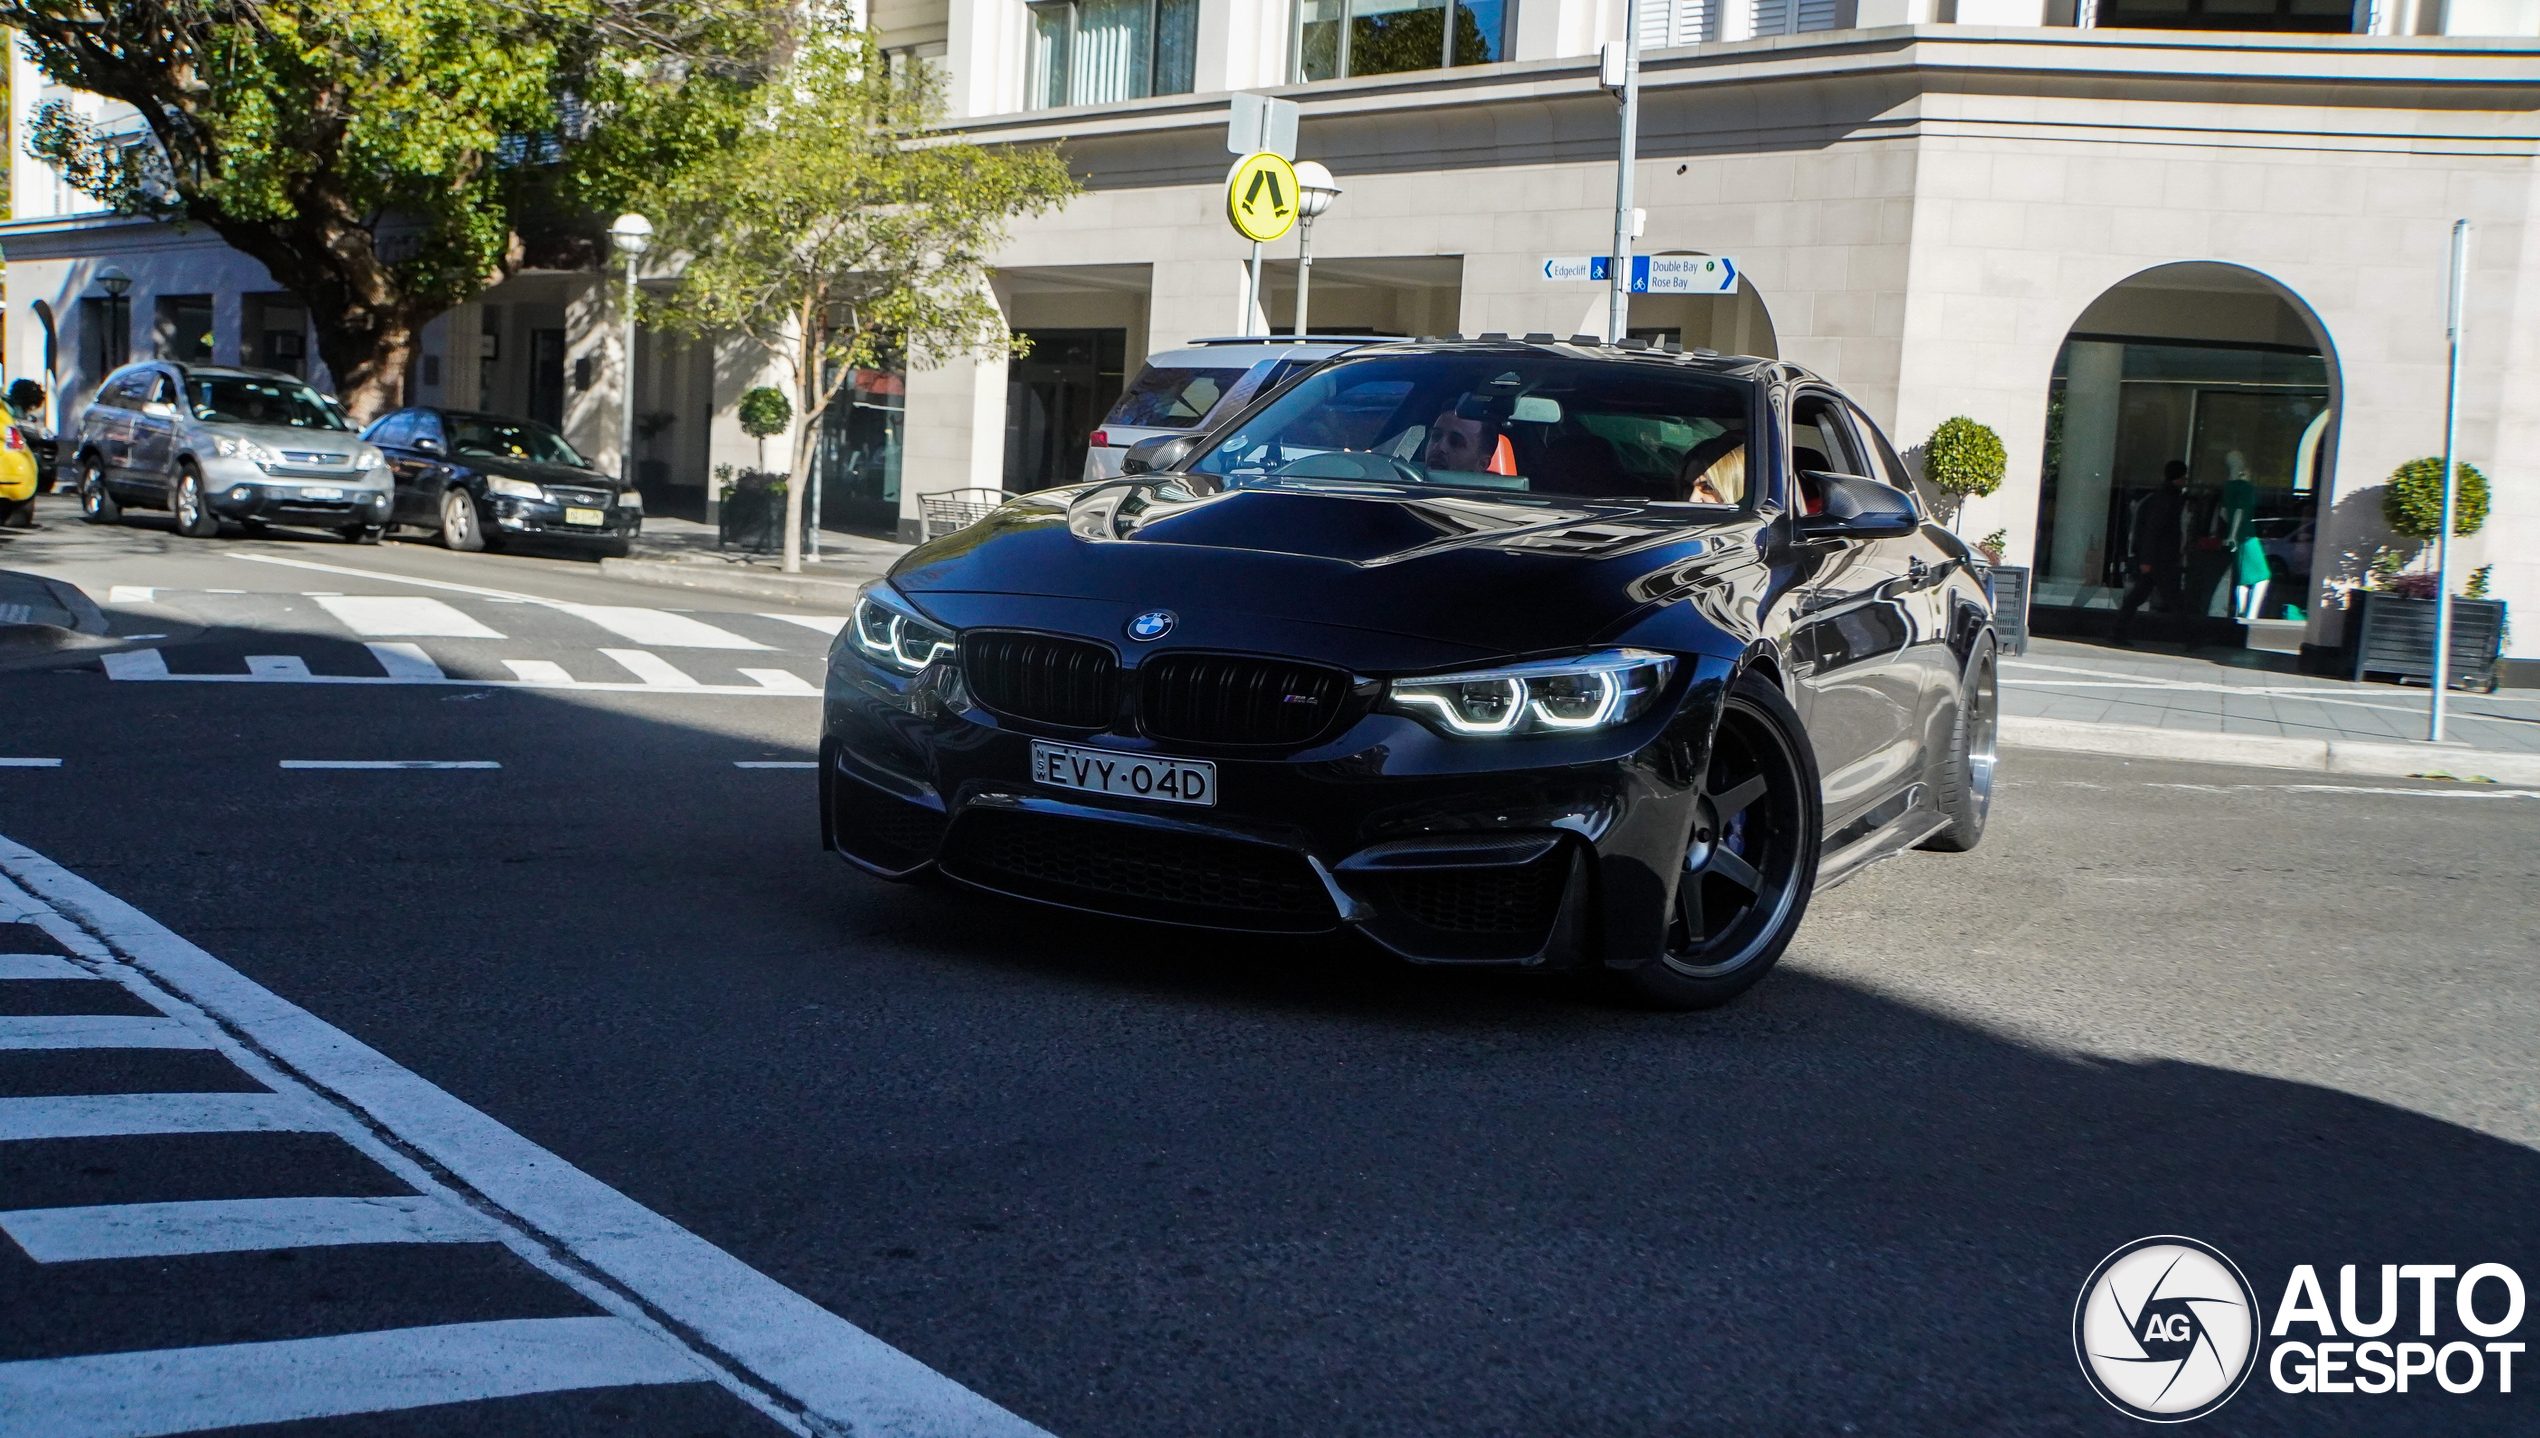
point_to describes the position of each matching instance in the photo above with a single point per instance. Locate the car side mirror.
(1162, 452)
(428, 445)
(1857, 507)
(159, 409)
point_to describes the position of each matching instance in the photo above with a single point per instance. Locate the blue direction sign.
(1653, 274)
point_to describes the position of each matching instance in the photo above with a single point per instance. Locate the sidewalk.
(682, 553)
(2249, 706)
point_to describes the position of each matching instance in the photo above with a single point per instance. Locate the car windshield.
(1535, 423)
(509, 439)
(255, 399)
(1172, 398)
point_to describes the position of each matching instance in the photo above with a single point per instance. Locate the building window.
(2322, 17)
(1387, 37)
(1100, 52)
(181, 328)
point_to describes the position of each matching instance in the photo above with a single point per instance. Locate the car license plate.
(321, 493)
(585, 516)
(1100, 771)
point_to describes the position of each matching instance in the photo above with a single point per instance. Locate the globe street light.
(1316, 190)
(632, 234)
(118, 347)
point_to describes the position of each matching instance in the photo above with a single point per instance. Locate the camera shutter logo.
(2166, 1329)
(1152, 625)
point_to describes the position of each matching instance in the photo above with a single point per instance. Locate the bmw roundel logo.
(1154, 624)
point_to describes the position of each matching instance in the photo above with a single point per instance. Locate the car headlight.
(630, 499)
(516, 488)
(887, 631)
(1543, 696)
(368, 458)
(230, 447)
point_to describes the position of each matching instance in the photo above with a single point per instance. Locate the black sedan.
(478, 478)
(1525, 653)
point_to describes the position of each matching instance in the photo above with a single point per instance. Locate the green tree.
(833, 230)
(383, 159)
(2412, 505)
(764, 413)
(1964, 458)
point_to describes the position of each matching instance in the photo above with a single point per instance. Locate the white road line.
(137, 664)
(793, 1359)
(651, 668)
(775, 764)
(40, 966)
(403, 661)
(178, 1390)
(129, 594)
(828, 624)
(538, 671)
(2479, 791)
(390, 764)
(30, 763)
(164, 1230)
(578, 686)
(783, 681)
(411, 615)
(277, 666)
(95, 1031)
(658, 626)
(115, 1115)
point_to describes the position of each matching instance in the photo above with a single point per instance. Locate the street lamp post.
(1618, 70)
(116, 284)
(632, 234)
(2454, 304)
(1316, 190)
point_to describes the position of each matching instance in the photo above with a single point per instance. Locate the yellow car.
(17, 467)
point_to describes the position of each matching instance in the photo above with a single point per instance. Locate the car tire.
(363, 533)
(613, 548)
(1962, 779)
(193, 512)
(461, 529)
(96, 502)
(1750, 858)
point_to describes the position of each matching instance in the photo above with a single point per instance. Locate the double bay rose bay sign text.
(1652, 274)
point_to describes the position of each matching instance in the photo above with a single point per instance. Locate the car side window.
(125, 393)
(395, 432)
(428, 427)
(162, 390)
(1886, 464)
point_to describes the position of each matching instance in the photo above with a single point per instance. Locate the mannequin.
(2237, 519)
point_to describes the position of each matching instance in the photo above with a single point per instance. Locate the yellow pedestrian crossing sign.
(1261, 196)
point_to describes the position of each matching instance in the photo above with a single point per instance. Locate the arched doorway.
(2221, 370)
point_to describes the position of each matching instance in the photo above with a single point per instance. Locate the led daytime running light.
(901, 643)
(1545, 696)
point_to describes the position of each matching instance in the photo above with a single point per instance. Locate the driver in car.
(1467, 444)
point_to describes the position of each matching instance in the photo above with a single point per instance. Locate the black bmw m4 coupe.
(1500, 652)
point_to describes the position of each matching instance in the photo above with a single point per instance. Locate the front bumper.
(302, 501)
(1528, 852)
(513, 515)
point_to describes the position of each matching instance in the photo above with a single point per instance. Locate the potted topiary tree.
(1964, 459)
(2390, 623)
(754, 503)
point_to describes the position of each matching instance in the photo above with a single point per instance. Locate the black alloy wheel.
(460, 528)
(96, 504)
(194, 517)
(1750, 859)
(1962, 781)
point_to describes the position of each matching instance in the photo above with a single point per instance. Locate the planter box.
(2009, 584)
(2388, 634)
(752, 517)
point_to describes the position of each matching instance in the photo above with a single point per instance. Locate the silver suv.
(1179, 389)
(212, 443)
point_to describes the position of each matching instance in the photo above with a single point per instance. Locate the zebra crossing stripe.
(137, 664)
(40, 966)
(180, 1390)
(95, 1031)
(402, 615)
(651, 668)
(122, 1115)
(277, 666)
(404, 661)
(167, 1230)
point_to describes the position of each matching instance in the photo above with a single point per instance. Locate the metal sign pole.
(2454, 312)
(1304, 269)
(1618, 278)
(1252, 290)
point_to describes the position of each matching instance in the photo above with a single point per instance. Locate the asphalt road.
(1127, 1181)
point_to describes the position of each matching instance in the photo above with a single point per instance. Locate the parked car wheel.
(194, 517)
(363, 533)
(1963, 779)
(614, 548)
(1750, 860)
(96, 505)
(460, 528)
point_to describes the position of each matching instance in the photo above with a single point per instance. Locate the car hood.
(284, 436)
(1467, 575)
(534, 471)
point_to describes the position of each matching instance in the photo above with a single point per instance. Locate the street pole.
(1618, 275)
(1315, 191)
(1252, 289)
(2454, 311)
(632, 234)
(1304, 270)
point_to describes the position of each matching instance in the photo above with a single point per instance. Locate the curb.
(722, 579)
(2268, 751)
